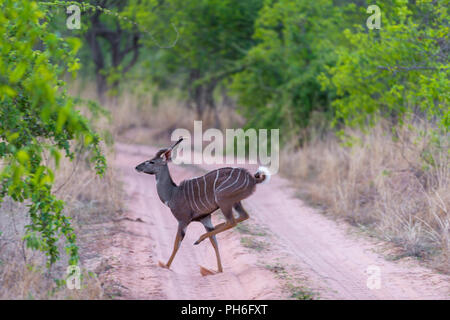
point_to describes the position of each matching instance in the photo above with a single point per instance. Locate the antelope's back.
(225, 185)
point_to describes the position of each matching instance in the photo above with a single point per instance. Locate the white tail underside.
(265, 172)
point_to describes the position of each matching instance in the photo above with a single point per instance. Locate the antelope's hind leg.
(230, 223)
(178, 238)
(209, 227)
(243, 214)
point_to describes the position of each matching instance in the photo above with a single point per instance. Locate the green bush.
(39, 121)
(279, 87)
(401, 69)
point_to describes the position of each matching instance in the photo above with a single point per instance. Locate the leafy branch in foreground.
(37, 118)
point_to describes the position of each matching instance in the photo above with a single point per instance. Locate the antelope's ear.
(167, 155)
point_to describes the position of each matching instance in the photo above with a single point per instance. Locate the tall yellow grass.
(136, 118)
(397, 185)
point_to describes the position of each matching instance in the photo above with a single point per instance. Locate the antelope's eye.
(152, 162)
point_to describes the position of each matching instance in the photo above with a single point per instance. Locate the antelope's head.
(159, 161)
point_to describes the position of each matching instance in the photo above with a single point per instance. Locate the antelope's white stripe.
(200, 196)
(237, 179)
(193, 195)
(246, 184)
(186, 195)
(189, 194)
(243, 182)
(231, 174)
(206, 194)
(214, 187)
(191, 189)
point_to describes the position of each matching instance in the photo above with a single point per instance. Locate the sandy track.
(144, 243)
(334, 261)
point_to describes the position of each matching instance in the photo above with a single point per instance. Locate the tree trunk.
(114, 37)
(101, 87)
(210, 102)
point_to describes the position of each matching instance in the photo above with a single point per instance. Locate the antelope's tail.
(262, 175)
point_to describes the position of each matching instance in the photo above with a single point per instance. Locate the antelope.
(197, 198)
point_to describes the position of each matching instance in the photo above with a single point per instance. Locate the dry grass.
(398, 186)
(90, 202)
(137, 118)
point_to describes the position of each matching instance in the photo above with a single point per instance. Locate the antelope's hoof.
(206, 272)
(163, 265)
(199, 240)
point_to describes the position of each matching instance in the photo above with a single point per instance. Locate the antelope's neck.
(165, 185)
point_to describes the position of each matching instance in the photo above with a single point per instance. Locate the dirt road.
(334, 263)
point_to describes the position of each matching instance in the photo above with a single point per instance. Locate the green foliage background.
(401, 69)
(282, 61)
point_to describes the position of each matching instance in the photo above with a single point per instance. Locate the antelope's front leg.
(209, 227)
(178, 238)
